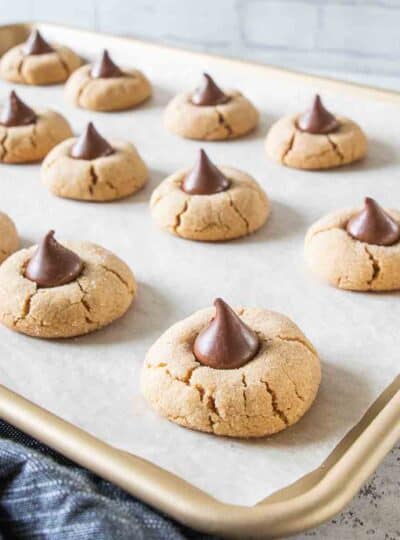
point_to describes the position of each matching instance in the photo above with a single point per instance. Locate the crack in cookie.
(32, 137)
(335, 148)
(26, 307)
(93, 179)
(274, 402)
(64, 64)
(223, 121)
(118, 276)
(291, 339)
(3, 145)
(238, 212)
(289, 147)
(178, 217)
(376, 268)
(85, 304)
(80, 91)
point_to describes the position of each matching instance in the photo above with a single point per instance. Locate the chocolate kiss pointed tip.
(208, 93)
(52, 264)
(373, 225)
(226, 342)
(105, 68)
(317, 119)
(91, 145)
(36, 44)
(204, 178)
(16, 113)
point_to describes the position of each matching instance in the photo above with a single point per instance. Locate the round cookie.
(9, 239)
(109, 172)
(38, 63)
(219, 118)
(266, 395)
(341, 143)
(27, 135)
(345, 262)
(104, 87)
(237, 210)
(102, 292)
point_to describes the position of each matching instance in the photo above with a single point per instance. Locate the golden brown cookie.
(103, 86)
(315, 140)
(266, 395)
(28, 135)
(101, 293)
(9, 239)
(239, 208)
(220, 115)
(103, 177)
(37, 62)
(291, 147)
(345, 262)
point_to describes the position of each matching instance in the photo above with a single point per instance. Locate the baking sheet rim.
(330, 487)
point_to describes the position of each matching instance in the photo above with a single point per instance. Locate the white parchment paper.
(93, 381)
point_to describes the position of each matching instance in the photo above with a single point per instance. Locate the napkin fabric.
(45, 496)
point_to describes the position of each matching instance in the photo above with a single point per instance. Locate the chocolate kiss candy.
(205, 178)
(52, 264)
(105, 68)
(91, 145)
(317, 119)
(208, 93)
(16, 113)
(226, 343)
(35, 44)
(373, 225)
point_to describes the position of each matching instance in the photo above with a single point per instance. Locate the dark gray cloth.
(45, 496)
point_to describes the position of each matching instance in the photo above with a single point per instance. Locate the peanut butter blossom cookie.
(90, 168)
(103, 86)
(28, 135)
(357, 249)
(38, 62)
(241, 373)
(63, 290)
(9, 239)
(315, 139)
(210, 114)
(209, 203)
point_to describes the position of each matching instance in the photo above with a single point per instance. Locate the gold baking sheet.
(310, 500)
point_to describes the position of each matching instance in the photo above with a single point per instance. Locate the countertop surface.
(374, 512)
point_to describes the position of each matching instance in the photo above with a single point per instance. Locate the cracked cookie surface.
(240, 210)
(292, 147)
(9, 239)
(24, 144)
(210, 123)
(107, 94)
(38, 69)
(102, 179)
(102, 293)
(266, 395)
(347, 263)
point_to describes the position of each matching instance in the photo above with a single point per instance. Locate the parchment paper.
(93, 381)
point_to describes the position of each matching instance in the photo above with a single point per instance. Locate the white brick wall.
(342, 35)
(288, 25)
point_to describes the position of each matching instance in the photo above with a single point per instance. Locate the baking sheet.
(93, 381)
